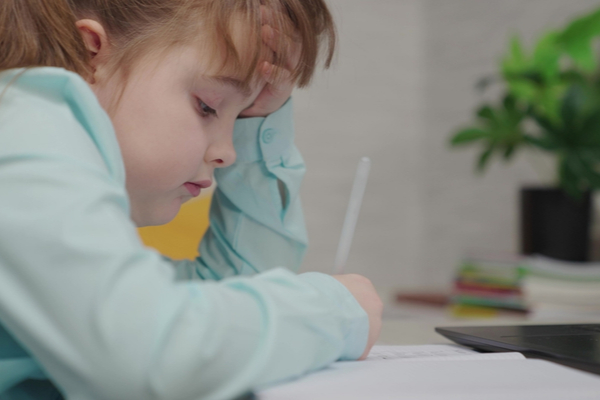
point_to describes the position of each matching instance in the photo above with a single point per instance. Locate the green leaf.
(590, 132)
(545, 143)
(484, 158)
(550, 99)
(547, 54)
(588, 172)
(591, 162)
(543, 122)
(572, 104)
(509, 102)
(515, 61)
(523, 89)
(576, 40)
(578, 175)
(581, 52)
(572, 76)
(568, 179)
(486, 112)
(509, 151)
(467, 136)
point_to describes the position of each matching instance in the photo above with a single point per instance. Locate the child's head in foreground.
(173, 75)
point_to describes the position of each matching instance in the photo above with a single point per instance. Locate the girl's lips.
(192, 188)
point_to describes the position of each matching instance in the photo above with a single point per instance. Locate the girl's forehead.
(232, 82)
(236, 65)
(193, 66)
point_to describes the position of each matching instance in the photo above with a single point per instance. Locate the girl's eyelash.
(205, 110)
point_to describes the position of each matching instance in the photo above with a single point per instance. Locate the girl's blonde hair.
(43, 32)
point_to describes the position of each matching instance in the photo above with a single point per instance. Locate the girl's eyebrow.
(233, 82)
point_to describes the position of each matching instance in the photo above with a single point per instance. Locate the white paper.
(435, 352)
(448, 380)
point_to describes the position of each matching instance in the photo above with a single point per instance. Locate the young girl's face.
(174, 123)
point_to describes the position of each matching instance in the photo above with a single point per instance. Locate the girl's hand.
(274, 93)
(363, 291)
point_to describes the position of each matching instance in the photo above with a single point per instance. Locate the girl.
(112, 114)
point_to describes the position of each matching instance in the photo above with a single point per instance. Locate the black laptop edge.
(489, 345)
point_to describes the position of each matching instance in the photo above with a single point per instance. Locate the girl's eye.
(205, 110)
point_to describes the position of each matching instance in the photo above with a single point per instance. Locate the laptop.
(573, 345)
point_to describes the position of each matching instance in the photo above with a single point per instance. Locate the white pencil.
(358, 190)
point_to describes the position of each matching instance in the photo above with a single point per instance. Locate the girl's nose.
(221, 154)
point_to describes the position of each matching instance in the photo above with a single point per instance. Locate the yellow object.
(179, 238)
(468, 311)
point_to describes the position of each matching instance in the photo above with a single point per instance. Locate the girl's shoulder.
(53, 112)
(44, 80)
(49, 87)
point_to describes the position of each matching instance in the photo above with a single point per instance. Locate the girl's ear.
(96, 41)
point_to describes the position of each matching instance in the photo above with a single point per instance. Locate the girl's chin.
(169, 213)
(162, 214)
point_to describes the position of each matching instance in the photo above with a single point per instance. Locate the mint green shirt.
(85, 306)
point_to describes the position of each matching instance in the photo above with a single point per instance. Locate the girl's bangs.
(233, 30)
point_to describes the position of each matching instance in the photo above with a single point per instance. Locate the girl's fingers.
(283, 86)
(277, 28)
(275, 92)
(266, 70)
(267, 54)
(272, 38)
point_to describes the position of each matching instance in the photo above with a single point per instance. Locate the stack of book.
(556, 289)
(486, 284)
(548, 289)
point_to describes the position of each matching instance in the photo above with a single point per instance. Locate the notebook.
(439, 372)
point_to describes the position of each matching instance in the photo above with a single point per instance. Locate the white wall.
(367, 105)
(402, 83)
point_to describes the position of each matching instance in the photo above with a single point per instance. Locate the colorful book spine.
(489, 284)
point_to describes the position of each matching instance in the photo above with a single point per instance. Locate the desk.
(410, 324)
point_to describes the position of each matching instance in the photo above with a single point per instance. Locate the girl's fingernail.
(268, 68)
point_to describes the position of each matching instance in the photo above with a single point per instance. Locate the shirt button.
(268, 135)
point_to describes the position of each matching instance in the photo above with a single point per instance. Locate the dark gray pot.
(554, 224)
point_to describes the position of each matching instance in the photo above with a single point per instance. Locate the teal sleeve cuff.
(269, 139)
(356, 326)
(13, 371)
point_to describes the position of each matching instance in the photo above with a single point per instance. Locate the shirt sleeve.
(106, 318)
(256, 219)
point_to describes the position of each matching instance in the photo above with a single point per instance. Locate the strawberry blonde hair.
(43, 33)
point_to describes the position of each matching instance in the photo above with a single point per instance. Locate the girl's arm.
(104, 316)
(256, 220)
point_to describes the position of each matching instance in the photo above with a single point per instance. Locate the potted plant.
(550, 102)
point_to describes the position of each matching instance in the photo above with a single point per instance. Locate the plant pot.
(554, 224)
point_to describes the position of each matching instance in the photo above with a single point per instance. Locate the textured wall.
(403, 81)
(367, 105)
